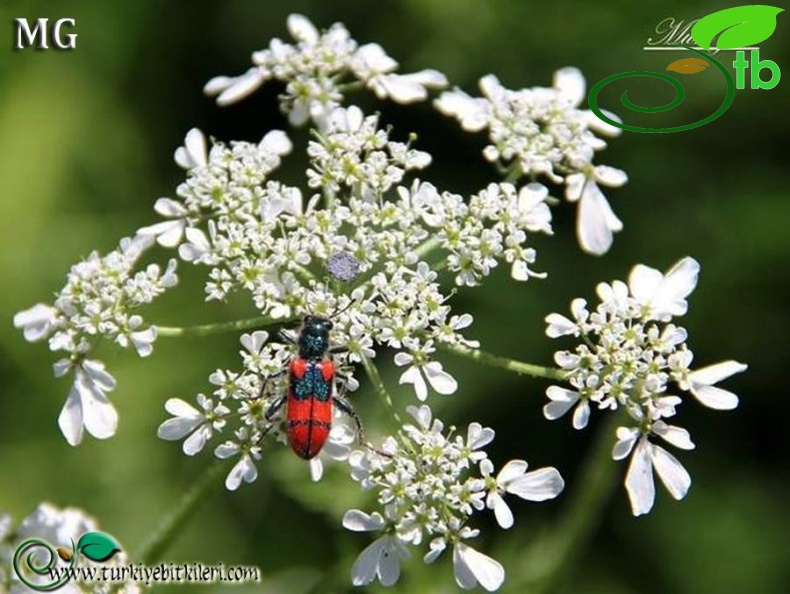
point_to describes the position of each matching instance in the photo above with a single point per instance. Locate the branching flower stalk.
(361, 242)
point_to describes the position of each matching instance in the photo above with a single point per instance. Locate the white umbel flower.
(630, 355)
(317, 69)
(542, 132)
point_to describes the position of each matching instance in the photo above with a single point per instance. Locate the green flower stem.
(152, 550)
(551, 558)
(378, 384)
(505, 363)
(513, 173)
(219, 327)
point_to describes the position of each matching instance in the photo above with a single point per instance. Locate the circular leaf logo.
(736, 27)
(97, 546)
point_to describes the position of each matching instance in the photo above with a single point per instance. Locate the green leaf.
(740, 26)
(97, 546)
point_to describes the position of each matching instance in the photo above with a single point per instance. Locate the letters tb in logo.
(26, 37)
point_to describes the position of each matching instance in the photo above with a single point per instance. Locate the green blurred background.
(86, 143)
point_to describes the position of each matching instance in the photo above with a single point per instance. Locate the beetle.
(312, 375)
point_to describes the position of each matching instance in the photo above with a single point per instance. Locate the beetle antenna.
(340, 311)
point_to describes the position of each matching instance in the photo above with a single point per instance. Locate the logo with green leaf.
(728, 29)
(94, 546)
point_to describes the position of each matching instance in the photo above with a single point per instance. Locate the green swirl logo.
(680, 95)
(42, 569)
(730, 28)
(96, 546)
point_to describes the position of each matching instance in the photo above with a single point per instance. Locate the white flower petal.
(671, 472)
(366, 566)
(677, 284)
(225, 450)
(713, 397)
(478, 436)
(389, 565)
(440, 380)
(358, 521)
(472, 567)
(413, 376)
(644, 282)
(181, 408)
(610, 176)
(626, 438)
(430, 78)
(574, 185)
(422, 414)
(513, 469)
(217, 84)
(168, 233)
(36, 322)
(254, 342)
(70, 418)
(713, 374)
(596, 124)
(381, 558)
(538, 485)
(178, 427)
(559, 325)
(244, 470)
(301, 29)
(194, 443)
(581, 415)
(561, 402)
(143, 341)
(97, 375)
(503, 514)
(98, 415)
(436, 546)
(375, 58)
(277, 142)
(571, 85)
(240, 87)
(402, 359)
(596, 221)
(316, 469)
(192, 154)
(677, 436)
(197, 246)
(639, 480)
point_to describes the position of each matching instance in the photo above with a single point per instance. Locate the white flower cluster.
(355, 253)
(429, 482)
(542, 132)
(630, 354)
(98, 301)
(319, 68)
(353, 153)
(59, 528)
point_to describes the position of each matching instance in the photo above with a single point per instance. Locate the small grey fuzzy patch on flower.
(343, 267)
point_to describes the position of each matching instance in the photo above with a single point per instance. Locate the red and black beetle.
(312, 375)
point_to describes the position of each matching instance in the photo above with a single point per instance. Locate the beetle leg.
(341, 348)
(345, 407)
(288, 336)
(274, 408)
(265, 382)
